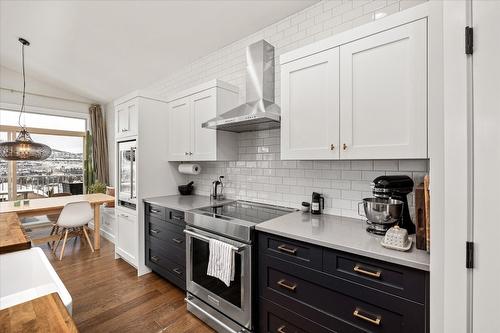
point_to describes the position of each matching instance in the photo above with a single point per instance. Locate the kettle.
(317, 203)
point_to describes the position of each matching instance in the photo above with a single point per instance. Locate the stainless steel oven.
(233, 303)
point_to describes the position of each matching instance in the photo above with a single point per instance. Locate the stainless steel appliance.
(127, 185)
(259, 112)
(389, 205)
(226, 309)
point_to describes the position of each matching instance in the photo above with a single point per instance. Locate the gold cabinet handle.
(361, 270)
(332, 147)
(281, 329)
(284, 248)
(358, 313)
(344, 146)
(176, 240)
(287, 285)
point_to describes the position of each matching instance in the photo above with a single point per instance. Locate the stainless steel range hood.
(259, 112)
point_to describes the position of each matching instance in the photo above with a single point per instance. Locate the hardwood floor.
(109, 297)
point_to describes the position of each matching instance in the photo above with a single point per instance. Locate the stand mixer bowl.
(382, 210)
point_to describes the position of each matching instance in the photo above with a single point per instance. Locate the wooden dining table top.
(48, 204)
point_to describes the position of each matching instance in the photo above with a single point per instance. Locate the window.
(61, 172)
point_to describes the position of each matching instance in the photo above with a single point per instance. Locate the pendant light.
(24, 148)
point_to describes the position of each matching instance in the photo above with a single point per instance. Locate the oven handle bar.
(207, 239)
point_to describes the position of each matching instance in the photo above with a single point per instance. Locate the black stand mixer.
(398, 188)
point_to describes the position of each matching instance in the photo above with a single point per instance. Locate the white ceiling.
(104, 49)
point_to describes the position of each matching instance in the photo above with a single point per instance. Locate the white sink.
(26, 275)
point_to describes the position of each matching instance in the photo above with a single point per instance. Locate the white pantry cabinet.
(188, 141)
(357, 95)
(155, 176)
(126, 119)
(383, 94)
(310, 107)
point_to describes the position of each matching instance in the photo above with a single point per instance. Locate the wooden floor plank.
(109, 297)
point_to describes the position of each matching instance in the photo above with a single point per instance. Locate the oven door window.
(231, 294)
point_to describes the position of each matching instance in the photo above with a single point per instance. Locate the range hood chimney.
(259, 112)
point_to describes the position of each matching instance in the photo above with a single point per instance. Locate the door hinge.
(469, 41)
(469, 260)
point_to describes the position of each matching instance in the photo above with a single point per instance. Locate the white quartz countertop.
(184, 202)
(344, 234)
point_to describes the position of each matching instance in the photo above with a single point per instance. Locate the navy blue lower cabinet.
(166, 244)
(297, 298)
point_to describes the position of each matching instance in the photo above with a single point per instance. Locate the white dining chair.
(74, 218)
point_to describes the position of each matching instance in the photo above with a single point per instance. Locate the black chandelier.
(23, 148)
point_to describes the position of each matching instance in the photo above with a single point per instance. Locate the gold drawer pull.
(283, 248)
(365, 316)
(359, 269)
(283, 283)
(281, 329)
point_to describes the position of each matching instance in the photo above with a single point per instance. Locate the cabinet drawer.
(176, 217)
(168, 251)
(167, 232)
(168, 269)
(276, 319)
(328, 299)
(398, 280)
(156, 211)
(294, 251)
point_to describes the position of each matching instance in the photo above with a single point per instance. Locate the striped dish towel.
(221, 261)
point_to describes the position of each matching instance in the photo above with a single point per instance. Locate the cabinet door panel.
(122, 120)
(179, 130)
(133, 118)
(127, 238)
(310, 107)
(383, 94)
(204, 141)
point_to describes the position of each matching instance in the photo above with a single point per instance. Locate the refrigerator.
(127, 180)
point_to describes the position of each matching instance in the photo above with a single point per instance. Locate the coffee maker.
(398, 188)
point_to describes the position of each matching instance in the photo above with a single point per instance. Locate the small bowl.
(186, 189)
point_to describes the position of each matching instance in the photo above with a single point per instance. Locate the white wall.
(39, 94)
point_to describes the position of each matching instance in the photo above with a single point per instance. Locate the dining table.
(54, 205)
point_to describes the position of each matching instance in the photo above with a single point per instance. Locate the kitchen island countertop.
(344, 234)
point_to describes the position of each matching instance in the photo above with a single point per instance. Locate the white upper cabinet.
(126, 119)
(188, 141)
(357, 95)
(383, 94)
(203, 108)
(180, 133)
(310, 107)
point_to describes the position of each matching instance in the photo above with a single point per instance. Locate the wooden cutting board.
(421, 234)
(427, 212)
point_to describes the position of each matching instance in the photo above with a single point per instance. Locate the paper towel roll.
(189, 168)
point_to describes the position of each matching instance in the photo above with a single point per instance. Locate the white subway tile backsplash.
(351, 175)
(258, 174)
